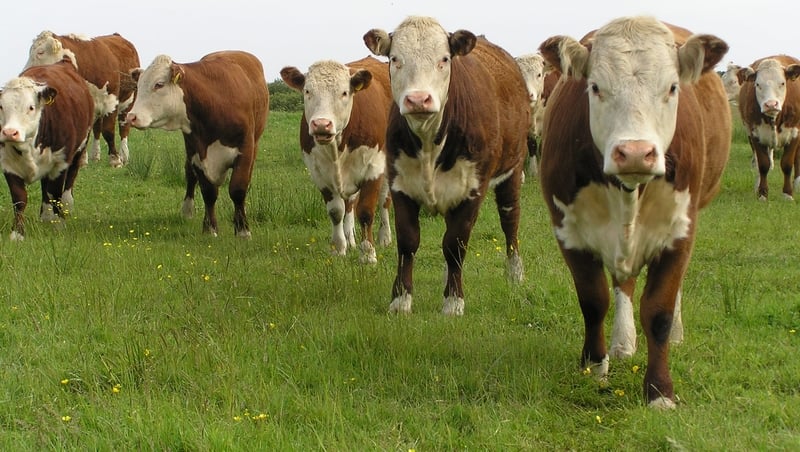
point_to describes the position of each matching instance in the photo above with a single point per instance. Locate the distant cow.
(540, 78)
(45, 116)
(769, 104)
(730, 80)
(636, 137)
(105, 62)
(457, 130)
(343, 136)
(221, 104)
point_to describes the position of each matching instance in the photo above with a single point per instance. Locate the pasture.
(127, 329)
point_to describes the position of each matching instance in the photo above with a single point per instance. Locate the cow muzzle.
(322, 130)
(635, 161)
(418, 103)
(11, 135)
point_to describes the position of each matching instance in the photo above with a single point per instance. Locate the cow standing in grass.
(457, 130)
(343, 136)
(45, 118)
(220, 104)
(636, 137)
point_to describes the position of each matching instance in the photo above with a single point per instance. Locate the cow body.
(636, 136)
(343, 136)
(769, 104)
(457, 129)
(221, 104)
(45, 115)
(105, 62)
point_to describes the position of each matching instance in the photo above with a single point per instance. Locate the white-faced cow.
(533, 68)
(105, 62)
(636, 136)
(457, 129)
(730, 80)
(221, 104)
(769, 104)
(343, 136)
(46, 115)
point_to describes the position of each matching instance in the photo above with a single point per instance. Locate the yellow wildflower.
(65, 381)
(66, 418)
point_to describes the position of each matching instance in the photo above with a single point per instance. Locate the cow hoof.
(401, 304)
(384, 236)
(598, 370)
(16, 236)
(453, 306)
(662, 403)
(762, 197)
(368, 255)
(187, 209)
(114, 161)
(244, 235)
(516, 271)
(788, 197)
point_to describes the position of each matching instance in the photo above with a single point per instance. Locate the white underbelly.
(437, 190)
(768, 136)
(344, 172)
(219, 159)
(599, 221)
(32, 166)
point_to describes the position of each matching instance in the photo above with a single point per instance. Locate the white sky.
(282, 33)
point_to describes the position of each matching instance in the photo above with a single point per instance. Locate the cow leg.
(533, 152)
(124, 130)
(656, 313)
(507, 197)
(406, 223)
(623, 336)
(96, 130)
(676, 332)
(210, 194)
(385, 230)
(19, 200)
(459, 222)
(349, 222)
(67, 199)
(336, 207)
(787, 165)
(365, 212)
(238, 187)
(187, 209)
(49, 211)
(591, 287)
(763, 157)
(109, 125)
(796, 145)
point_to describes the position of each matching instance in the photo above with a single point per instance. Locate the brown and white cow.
(769, 104)
(46, 115)
(343, 136)
(730, 80)
(105, 62)
(636, 137)
(457, 130)
(540, 78)
(221, 104)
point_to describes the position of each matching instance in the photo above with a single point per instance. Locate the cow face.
(420, 53)
(21, 103)
(328, 91)
(533, 69)
(47, 49)
(730, 80)
(770, 84)
(633, 72)
(159, 99)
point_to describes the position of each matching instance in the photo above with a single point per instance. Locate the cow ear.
(567, 55)
(379, 42)
(462, 42)
(360, 80)
(135, 73)
(745, 74)
(176, 74)
(47, 95)
(792, 71)
(698, 55)
(293, 78)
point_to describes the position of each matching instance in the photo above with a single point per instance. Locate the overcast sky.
(283, 33)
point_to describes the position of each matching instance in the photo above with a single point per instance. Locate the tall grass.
(127, 329)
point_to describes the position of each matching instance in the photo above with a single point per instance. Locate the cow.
(636, 137)
(46, 115)
(730, 79)
(343, 136)
(220, 104)
(457, 129)
(769, 104)
(105, 62)
(540, 78)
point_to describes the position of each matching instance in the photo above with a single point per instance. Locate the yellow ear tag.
(49, 101)
(176, 78)
(358, 87)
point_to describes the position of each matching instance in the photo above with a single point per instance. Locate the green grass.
(127, 329)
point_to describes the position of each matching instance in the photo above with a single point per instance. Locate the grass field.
(127, 329)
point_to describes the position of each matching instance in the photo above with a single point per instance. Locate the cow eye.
(395, 61)
(673, 89)
(158, 86)
(595, 89)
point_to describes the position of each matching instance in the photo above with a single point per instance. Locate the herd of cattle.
(627, 130)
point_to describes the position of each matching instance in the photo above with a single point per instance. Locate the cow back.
(65, 122)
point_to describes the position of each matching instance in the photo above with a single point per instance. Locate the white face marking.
(343, 172)
(420, 73)
(45, 49)
(159, 101)
(770, 87)
(219, 159)
(593, 222)
(21, 109)
(327, 100)
(731, 82)
(633, 95)
(532, 68)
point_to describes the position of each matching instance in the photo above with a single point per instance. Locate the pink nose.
(635, 156)
(771, 106)
(130, 118)
(11, 134)
(321, 125)
(418, 102)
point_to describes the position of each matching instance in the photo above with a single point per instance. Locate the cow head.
(770, 79)
(47, 49)
(730, 80)
(159, 99)
(328, 91)
(420, 53)
(532, 67)
(22, 101)
(633, 70)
